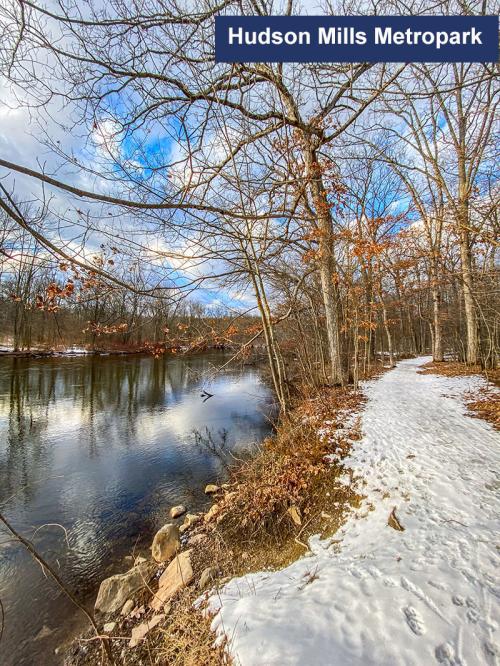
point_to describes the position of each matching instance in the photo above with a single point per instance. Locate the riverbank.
(335, 501)
(410, 576)
(105, 351)
(294, 487)
(131, 435)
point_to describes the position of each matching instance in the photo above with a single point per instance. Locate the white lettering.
(348, 36)
(437, 39)
(341, 36)
(441, 39)
(326, 37)
(266, 37)
(476, 37)
(383, 36)
(238, 34)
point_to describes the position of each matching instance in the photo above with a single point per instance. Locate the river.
(93, 452)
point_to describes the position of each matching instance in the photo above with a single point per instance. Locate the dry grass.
(187, 639)
(486, 405)
(184, 638)
(455, 369)
(291, 474)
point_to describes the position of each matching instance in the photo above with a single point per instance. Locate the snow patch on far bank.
(382, 597)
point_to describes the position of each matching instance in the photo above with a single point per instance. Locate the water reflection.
(103, 446)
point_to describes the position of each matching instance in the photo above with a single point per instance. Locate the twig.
(3, 620)
(301, 543)
(53, 525)
(46, 566)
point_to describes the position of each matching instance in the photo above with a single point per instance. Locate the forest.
(333, 219)
(351, 208)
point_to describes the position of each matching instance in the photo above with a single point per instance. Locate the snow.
(427, 595)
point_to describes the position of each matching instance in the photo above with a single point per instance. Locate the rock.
(141, 631)
(128, 606)
(212, 512)
(43, 633)
(109, 627)
(295, 515)
(176, 576)
(211, 488)
(207, 576)
(115, 591)
(190, 520)
(166, 543)
(196, 539)
(177, 511)
(137, 612)
(139, 560)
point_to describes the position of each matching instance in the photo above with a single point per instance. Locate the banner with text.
(356, 38)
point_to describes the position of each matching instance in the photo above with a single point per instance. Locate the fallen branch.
(47, 567)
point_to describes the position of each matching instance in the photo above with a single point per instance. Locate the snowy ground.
(428, 595)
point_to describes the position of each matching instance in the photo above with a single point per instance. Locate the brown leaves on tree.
(100, 329)
(54, 295)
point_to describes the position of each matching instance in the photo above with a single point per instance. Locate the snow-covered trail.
(428, 595)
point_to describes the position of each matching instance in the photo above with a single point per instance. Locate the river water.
(102, 447)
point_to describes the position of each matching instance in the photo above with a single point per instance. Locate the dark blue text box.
(356, 38)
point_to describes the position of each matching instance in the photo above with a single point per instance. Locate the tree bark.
(467, 275)
(326, 264)
(437, 332)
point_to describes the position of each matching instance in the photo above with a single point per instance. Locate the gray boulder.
(128, 607)
(176, 576)
(115, 591)
(208, 576)
(190, 520)
(177, 511)
(166, 543)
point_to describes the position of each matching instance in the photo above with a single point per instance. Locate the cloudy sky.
(26, 136)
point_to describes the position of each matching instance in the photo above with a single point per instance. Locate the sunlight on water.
(104, 446)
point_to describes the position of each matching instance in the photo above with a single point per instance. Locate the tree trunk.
(465, 249)
(388, 334)
(326, 265)
(469, 305)
(437, 332)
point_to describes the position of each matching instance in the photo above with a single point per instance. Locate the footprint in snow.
(491, 649)
(445, 654)
(472, 610)
(414, 620)
(390, 582)
(374, 572)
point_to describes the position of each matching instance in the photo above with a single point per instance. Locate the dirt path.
(381, 597)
